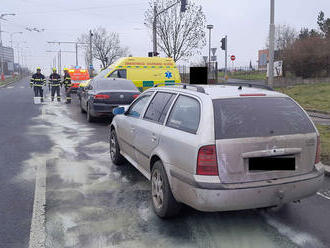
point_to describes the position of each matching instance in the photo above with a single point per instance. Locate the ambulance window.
(114, 74)
(119, 74)
(122, 73)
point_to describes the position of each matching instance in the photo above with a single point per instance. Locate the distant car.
(218, 148)
(101, 96)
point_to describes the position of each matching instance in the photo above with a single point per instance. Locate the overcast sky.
(246, 22)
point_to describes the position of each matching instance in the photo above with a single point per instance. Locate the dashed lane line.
(323, 195)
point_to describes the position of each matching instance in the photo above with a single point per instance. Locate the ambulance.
(144, 72)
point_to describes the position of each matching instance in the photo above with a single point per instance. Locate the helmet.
(38, 69)
(65, 69)
(54, 69)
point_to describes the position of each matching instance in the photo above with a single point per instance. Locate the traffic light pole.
(226, 58)
(154, 22)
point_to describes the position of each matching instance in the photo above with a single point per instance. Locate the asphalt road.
(92, 203)
(17, 177)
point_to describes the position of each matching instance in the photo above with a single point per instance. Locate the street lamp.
(11, 37)
(2, 59)
(209, 27)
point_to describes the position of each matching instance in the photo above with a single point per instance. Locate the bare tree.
(105, 46)
(180, 34)
(284, 37)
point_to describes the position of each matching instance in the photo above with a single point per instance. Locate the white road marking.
(22, 87)
(323, 195)
(37, 231)
(299, 238)
(10, 87)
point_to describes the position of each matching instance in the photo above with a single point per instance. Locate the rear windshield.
(115, 85)
(258, 117)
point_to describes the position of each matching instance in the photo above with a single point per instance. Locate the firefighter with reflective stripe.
(38, 81)
(55, 83)
(67, 85)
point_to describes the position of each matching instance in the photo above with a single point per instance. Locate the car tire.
(115, 155)
(163, 201)
(81, 108)
(89, 117)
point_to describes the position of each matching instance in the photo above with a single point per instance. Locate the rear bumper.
(102, 109)
(226, 197)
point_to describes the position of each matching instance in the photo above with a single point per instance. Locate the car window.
(185, 114)
(258, 117)
(137, 107)
(157, 105)
(166, 108)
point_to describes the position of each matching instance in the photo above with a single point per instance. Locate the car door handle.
(132, 129)
(153, 138)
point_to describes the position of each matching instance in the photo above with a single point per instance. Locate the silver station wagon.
(218, 148)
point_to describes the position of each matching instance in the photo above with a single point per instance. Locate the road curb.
(326, 170)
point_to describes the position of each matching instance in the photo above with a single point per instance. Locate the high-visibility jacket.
(38, 80)
(67, 80)
(54, 79)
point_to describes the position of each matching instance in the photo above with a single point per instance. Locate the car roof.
(222, 91)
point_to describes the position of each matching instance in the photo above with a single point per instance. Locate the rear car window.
(156, 106)
(185, 114)
(258, 117)
(109, 84)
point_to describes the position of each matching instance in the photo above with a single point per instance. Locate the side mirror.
(118, 111)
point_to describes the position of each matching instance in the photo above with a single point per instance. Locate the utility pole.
(154, 23)
(154, 31)
(69, 42)
(271, 44)
(90, 53)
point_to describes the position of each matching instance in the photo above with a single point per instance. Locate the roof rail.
(184, 86)
(248, 84)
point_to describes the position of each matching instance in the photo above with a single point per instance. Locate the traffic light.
(184, 5)
(224, 43)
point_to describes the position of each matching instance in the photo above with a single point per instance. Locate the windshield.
(103, 73)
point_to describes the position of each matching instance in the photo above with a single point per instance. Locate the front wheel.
(163, 201)
(115, 155)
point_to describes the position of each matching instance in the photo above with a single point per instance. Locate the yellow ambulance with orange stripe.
(144, 72)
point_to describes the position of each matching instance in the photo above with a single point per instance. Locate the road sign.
(91, 67)
(213, 50)
(205, 58)
(232, 57)
(213, 58)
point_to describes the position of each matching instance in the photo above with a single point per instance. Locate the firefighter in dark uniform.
(38, 81)
(55, 83)
(67, 85)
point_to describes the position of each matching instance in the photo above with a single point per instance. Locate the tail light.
(207, 161)
(318, 150)
(135, 96)
(101, 96)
